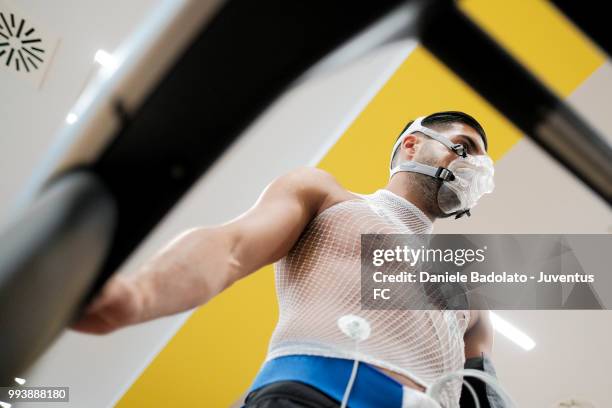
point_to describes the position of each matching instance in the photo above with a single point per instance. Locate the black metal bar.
(235, 67)
(592, 17)
(518, 95)
(49, 259)
(66, 246)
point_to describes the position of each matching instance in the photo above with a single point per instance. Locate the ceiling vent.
(26, 49)
(21, 48)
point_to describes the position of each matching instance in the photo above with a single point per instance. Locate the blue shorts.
(371, 388)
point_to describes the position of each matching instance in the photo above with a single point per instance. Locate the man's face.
(423, 149)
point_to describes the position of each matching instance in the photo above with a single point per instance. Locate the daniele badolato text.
(413, 258)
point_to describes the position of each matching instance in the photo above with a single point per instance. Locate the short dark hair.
(440, 118)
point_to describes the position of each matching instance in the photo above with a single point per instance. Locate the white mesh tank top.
(319, 281)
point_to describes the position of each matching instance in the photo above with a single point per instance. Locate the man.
(325, 350)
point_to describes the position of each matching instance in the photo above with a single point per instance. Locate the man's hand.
(119, 304)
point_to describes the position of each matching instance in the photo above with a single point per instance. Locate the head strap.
(417, 126)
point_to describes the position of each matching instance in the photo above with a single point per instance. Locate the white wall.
(533, 195)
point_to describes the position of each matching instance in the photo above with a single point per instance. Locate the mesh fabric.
(319, 281)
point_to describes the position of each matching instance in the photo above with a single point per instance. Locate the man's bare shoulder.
(318, 187)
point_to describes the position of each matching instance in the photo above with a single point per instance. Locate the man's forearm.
(188, 272)
(204, 261)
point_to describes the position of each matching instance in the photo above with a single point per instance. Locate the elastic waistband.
(372, 388)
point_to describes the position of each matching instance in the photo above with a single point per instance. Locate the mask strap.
(441, 173)
(459, 149)
(416, 126)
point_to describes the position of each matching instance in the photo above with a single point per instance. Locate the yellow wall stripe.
(420, 86)
(539, 36)
(215, 355)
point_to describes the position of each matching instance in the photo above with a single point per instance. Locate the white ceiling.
(30, 116)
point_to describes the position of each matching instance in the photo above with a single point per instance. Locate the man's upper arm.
(269, 229)
(478, 338)
(478, 346)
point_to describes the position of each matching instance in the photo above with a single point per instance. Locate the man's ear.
(409, 145)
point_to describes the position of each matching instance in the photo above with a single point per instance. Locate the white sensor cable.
(358, 329)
